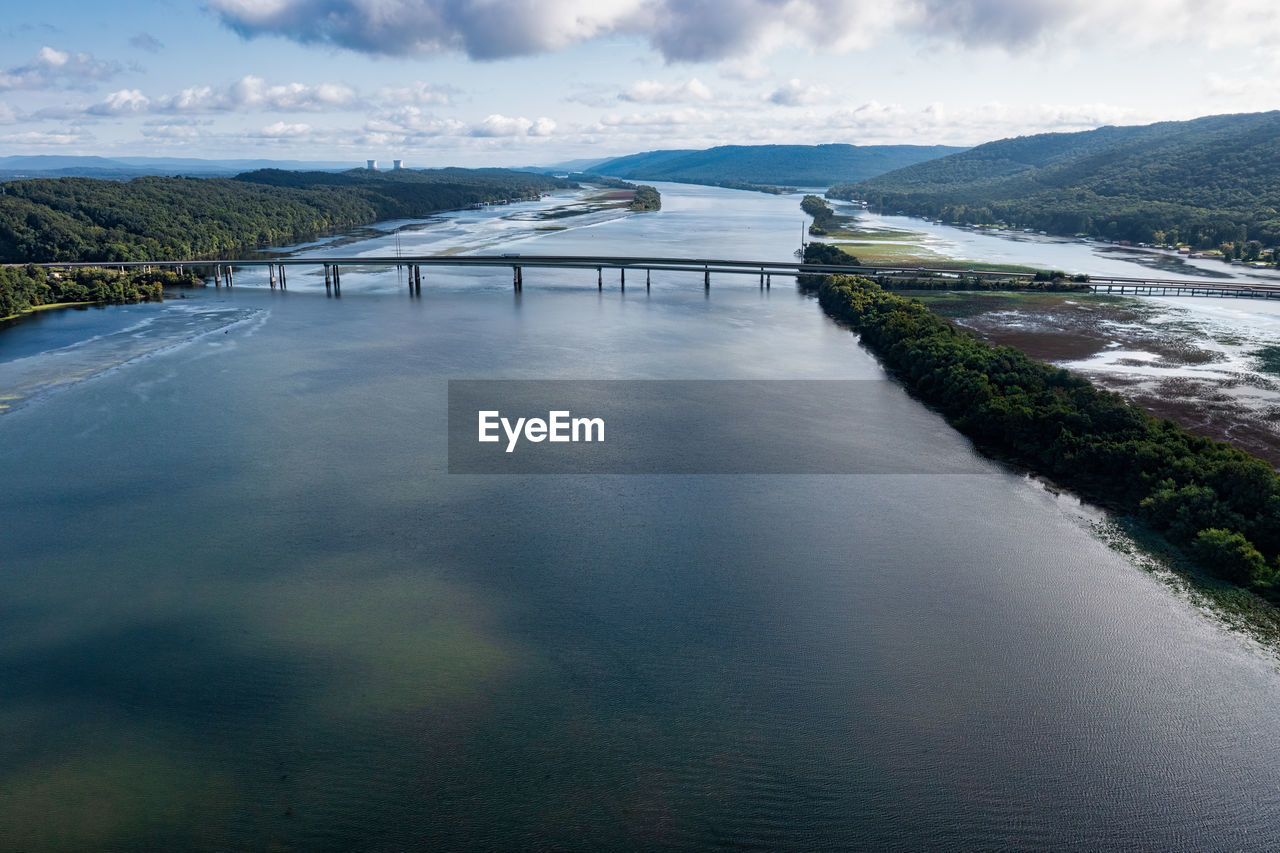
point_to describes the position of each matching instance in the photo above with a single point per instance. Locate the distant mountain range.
(1205, 182)
(58, 166)
(765, 165)
(725, 165)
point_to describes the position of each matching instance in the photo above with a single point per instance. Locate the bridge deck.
(707, 266)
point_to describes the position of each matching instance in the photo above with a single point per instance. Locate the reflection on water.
(246, 606)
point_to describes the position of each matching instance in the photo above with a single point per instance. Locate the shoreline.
(1208, 499)
(48, 306)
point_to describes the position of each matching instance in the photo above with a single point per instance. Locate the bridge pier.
(647, 273)
(600, 278)
(283, 284)
(417, 280)
(328, 281)
(217, 276)
(706, 278)
(768, 281)
(271, 275)
(231, 279)
(337, 283)
(622, 278)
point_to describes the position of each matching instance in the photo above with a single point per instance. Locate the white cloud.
(247, 94)
(419, 93)
(794, 93)
(408, 124)
(52, 67)
(177, 131)
(1245, 90)
(123, 102)
(500, 125)
(281, 130)
(738, 30)
(250, 92)
(484, 30)
(44, 138)
(654, 92)
(750, 68)
(876, 123)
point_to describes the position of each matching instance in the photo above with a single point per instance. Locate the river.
(247, 607)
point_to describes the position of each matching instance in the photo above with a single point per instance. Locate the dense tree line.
(26, 287)
(1221, 505)
(646, 198)
(1203, 183)
(821, 212)
(1048, 284)
(151, 218)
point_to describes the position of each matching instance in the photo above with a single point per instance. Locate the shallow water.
(246, 606)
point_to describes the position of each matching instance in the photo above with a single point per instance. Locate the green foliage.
(84, 219)
(24, 288)
(823, 253)
(646, 198)
(1202, 183)
(1230, 556)
(820, 211)
(1091, 440)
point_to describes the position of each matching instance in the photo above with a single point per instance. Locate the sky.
(535, 82)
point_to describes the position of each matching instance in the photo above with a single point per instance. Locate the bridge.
(223, 271)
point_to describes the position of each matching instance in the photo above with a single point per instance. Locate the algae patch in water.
(1268, 359)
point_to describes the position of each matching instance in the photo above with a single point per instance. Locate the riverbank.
(25, 288)
(1220, 506)
(33, 309)
(887, 246)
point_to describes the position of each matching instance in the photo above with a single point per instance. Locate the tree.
(1229, 555)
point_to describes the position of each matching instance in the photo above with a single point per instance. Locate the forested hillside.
(762, 165)
(1205, 182)
(152, 218)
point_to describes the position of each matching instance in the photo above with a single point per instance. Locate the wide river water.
(245, 605)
